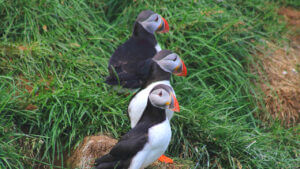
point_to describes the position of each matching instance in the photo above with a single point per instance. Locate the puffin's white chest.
(138, 104)
(157, 48)
(159, 137)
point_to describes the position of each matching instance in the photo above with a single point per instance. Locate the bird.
(127, 64)
(162, 65)
(149, 139)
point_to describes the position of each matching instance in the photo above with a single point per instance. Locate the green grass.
(289, 3)
(54, 54)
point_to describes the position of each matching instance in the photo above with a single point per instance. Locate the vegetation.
(53, 60)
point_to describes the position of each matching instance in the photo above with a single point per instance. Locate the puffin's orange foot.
(165, 159)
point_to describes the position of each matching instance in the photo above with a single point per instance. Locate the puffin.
(149, 139)
(163, 64)
(127, 66)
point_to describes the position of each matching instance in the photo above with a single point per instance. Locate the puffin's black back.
(130, 60)
(132, 142)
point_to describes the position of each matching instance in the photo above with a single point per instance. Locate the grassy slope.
(54, 56)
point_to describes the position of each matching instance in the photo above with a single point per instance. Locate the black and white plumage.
(139, 102)
(128, 65)
(163, 65)
(149, 139)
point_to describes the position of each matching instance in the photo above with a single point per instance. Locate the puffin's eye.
(160, 93)
(156, 18)
(175, 59)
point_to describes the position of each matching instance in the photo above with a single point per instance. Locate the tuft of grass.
(54, 58)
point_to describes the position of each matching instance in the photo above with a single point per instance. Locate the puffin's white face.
(161, 98)
(170, 62)
(152, 22)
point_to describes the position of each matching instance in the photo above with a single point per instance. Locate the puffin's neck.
(152, 115)
(139, 32)
(156, 74)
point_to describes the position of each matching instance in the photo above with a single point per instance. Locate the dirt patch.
(175, 165)
(280, 82)
(280, 74)
(93, 147)
(292, 16)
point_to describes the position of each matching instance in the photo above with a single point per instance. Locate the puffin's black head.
(152, 22)
(162, 96)
(170, 62)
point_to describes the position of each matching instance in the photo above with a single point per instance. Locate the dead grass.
(292, 16)
(91, 148)
(280, 75)
(176, 165)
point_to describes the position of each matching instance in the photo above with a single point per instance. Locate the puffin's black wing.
(128, 65)
(122, 153)
(129, 74)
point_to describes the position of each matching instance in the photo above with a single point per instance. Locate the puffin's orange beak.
(176, 104)
(183, 70)
(165, 26)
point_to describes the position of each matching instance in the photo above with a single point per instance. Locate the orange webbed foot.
(165, 159)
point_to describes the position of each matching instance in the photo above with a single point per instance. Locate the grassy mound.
(53, 59)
